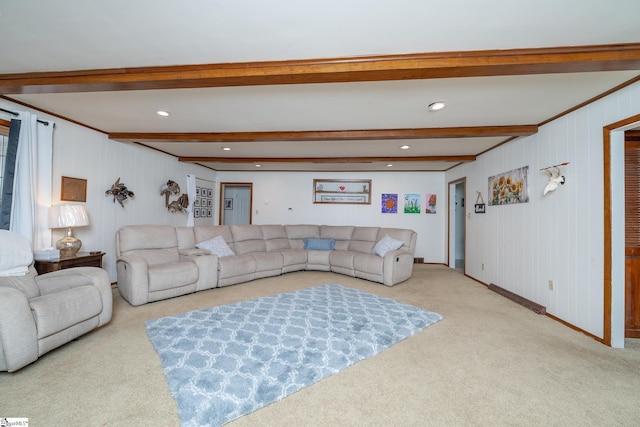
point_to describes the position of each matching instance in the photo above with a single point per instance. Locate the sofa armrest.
(18, 334)
(207, 267)
(397, 267)
(80, 276)
(188, 254)
(133, 279)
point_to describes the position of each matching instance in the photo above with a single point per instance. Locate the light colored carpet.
(490, 362)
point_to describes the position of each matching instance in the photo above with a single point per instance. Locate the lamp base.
(69, 245)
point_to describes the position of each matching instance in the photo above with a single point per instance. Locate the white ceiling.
(73, 35)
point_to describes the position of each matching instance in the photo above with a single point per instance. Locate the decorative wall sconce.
(171, 187)
(178, 205)
(555, 179)
(119, 191)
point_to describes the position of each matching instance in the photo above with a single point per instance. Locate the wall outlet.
(483, 266)
(550, 285)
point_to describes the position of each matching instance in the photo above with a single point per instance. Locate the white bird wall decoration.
(554, 179)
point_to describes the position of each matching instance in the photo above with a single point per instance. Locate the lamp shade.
(63, 216)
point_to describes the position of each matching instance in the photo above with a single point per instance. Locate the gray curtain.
(9, 171)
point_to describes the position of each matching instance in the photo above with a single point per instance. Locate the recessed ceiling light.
(389, 165)
(437, 106)
(258, 166)
(163, 113)
(226, 148)
(405, 147)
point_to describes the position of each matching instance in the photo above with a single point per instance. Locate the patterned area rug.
(227, 361)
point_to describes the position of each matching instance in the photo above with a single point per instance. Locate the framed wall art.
(509, 188)
(73, 189)
(346, 191)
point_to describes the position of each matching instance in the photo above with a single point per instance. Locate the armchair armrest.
(79, 276)
(18, 334)
(133, 279)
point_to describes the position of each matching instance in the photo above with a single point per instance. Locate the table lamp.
(68, 216)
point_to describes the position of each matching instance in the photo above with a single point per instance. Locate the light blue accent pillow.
(315, 244)
(216, 246)
(386, 244)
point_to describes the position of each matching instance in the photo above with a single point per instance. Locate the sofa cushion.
(216, 246)
(247, 238)
(368, 263)
(268, 262)
(386, 244)
(167, 276)
(61, 310)
(203, 233)
(157, 256)
(275, 237)
(136, 237)
(363, 239)
(341, 234)
(296, 233)
(293, 259)
(315, 244)
(236, 266)
(403, 234)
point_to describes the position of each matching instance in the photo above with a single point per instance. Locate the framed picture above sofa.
(347, 191)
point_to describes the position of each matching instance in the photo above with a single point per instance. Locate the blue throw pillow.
(319, 244)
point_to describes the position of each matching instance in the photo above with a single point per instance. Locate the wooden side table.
(83, 259)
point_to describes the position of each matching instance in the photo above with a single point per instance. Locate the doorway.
(235, 202)
(614, 230)
(632, 234)
(457, 209)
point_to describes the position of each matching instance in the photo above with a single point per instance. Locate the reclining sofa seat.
(150, 266)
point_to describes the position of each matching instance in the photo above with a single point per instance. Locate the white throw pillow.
(386, 244)
(216, 246)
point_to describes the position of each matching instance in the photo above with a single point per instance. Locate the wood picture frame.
(342, 191)
(73, 189)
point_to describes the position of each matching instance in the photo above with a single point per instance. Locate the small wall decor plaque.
(480, 206)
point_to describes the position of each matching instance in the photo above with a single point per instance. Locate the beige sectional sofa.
(155, 262)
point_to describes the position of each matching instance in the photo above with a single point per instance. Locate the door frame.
(614, 268)
(451, 244)
(224, 185)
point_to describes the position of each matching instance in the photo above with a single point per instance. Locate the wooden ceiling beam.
(574, 59)
(466, 158)
(331, 135)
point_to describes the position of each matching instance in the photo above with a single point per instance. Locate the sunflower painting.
(389, 203)
(509, 187)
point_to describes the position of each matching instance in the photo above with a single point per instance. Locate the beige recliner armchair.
(39, 313)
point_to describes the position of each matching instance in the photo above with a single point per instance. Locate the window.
(4, 141)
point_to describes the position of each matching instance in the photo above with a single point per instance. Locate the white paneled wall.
(557, 237)
(79, 152)
(287, 198)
